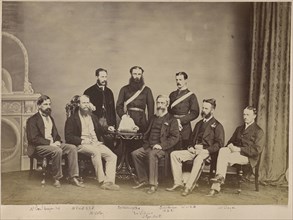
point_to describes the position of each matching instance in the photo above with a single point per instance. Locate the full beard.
(204, 115)
(102, 84)
(85, 112)
(47, 111)
(161, 111)
(136, 84)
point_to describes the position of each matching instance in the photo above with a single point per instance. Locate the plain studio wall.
(66, 42)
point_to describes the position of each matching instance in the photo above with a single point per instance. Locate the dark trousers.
(56, 153)
(140, 157)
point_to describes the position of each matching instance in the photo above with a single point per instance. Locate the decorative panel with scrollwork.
(17, 106)
(9, 107)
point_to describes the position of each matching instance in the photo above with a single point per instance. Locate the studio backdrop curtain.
(269, 85)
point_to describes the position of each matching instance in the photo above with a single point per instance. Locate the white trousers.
(97, 152)
(225, 158)
(177, 157)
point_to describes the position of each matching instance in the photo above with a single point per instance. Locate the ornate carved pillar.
(17, 107)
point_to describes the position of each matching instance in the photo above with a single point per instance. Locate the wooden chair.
(239, 170)
(164, 171)
(43, 165)
(84, 162)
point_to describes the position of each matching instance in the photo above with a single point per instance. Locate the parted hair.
(211, 101)
(252, 108)
(184, 74)
(42, 98)
(100, 70)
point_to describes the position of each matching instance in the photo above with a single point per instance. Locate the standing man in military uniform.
(135, 98)
(184, 106)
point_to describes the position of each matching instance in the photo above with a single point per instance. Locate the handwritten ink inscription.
(91, 210)
(44, 208)
(227, 207)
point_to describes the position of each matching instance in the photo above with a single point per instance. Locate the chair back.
(72, 106)
(30, 147)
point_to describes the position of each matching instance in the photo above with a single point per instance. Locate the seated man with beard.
(206, 139)
(44, 140)
(159, 139)
(84, 130)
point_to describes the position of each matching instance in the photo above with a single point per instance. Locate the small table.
(124, 170)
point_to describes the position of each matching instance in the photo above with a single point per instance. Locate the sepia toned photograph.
(145, 110)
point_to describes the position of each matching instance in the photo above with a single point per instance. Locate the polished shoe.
(80, 179)
(57, 184)
(174, 188)
(110, 186)
(75, 181)
(212, 192)
(186, 192)
(140, 185)
(218, 179)
(152, 190)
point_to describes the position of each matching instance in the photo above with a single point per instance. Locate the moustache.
(85, 111)
(47, 111)
(104, 82)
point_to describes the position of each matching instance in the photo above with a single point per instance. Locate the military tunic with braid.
(136, 108)
(186, 111)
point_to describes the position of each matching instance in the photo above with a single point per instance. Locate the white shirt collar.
(183, 88)
(247, 125)
(101, 87)
(42, 114)
(207, 119)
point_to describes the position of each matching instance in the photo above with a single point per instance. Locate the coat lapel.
(196, 130)
(40, 124)
(250, 128)
(97, 126)
(245, 131)
(207, 131)
(166, 122)
(54, 129)
(78, 122)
